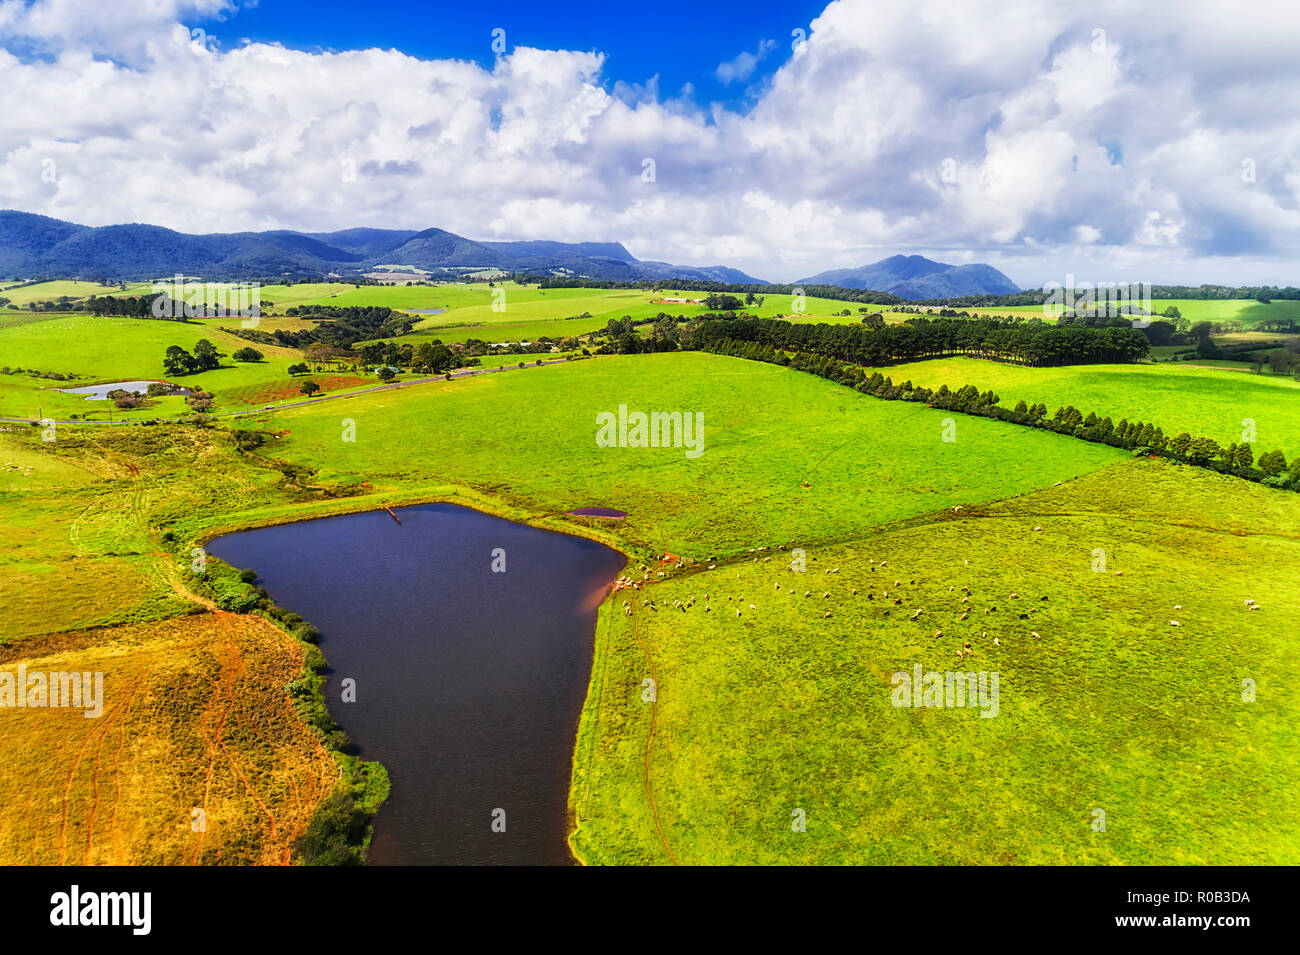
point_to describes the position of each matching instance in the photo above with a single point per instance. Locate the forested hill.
(38, 246)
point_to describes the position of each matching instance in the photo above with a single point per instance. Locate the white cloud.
(742, 67)
(1129, 154)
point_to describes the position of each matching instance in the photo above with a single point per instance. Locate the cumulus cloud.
(1042, 136)
(742, 67)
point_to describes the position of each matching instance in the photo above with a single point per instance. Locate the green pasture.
(1174, 396)
(767, 430)
(785, 712)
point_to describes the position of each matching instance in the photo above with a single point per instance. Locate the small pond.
(470, 640)
(100, 392)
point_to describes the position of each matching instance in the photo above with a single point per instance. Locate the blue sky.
(681, 42)
(1102, 139)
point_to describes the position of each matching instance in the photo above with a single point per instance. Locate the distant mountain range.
(915, 277)
(36, 246)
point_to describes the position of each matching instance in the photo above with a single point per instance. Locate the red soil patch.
(283, 390)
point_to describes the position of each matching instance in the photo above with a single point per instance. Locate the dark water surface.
(469, 682)
(598, 512)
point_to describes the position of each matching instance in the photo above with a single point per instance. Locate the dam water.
(470, 640)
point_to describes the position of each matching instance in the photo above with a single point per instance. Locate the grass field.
(526, 311)
(1176, 397)
(781, 708)
(766, 431)
(1247, 311)
(96, 349)
(195, 717)
(55, 290)
(1111, 707)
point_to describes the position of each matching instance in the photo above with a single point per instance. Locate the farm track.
(649, 739)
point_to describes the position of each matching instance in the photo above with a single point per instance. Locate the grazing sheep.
(826, 594)
(1034, 634)
(1174, 623)
(807, 593)
(1178, 606)
(958, 652)
(1014, 596)
(898, 600)
(707, 608)
(1038, 528)
(1119, 573)
(1254, 606)
(997, 642)
(826, 614)
(964, 616)
(855, 591)
(938, 634)
(965, 563)
(916, 613)
(752, 607)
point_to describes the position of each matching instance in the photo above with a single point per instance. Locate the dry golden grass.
(195, 717)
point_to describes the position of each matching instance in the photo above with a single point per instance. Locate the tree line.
(1143, 438)
(339, 326)
(1260, 293)
(866, 296)
(920, 338)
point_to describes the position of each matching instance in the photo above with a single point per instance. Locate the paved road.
(467, 373)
